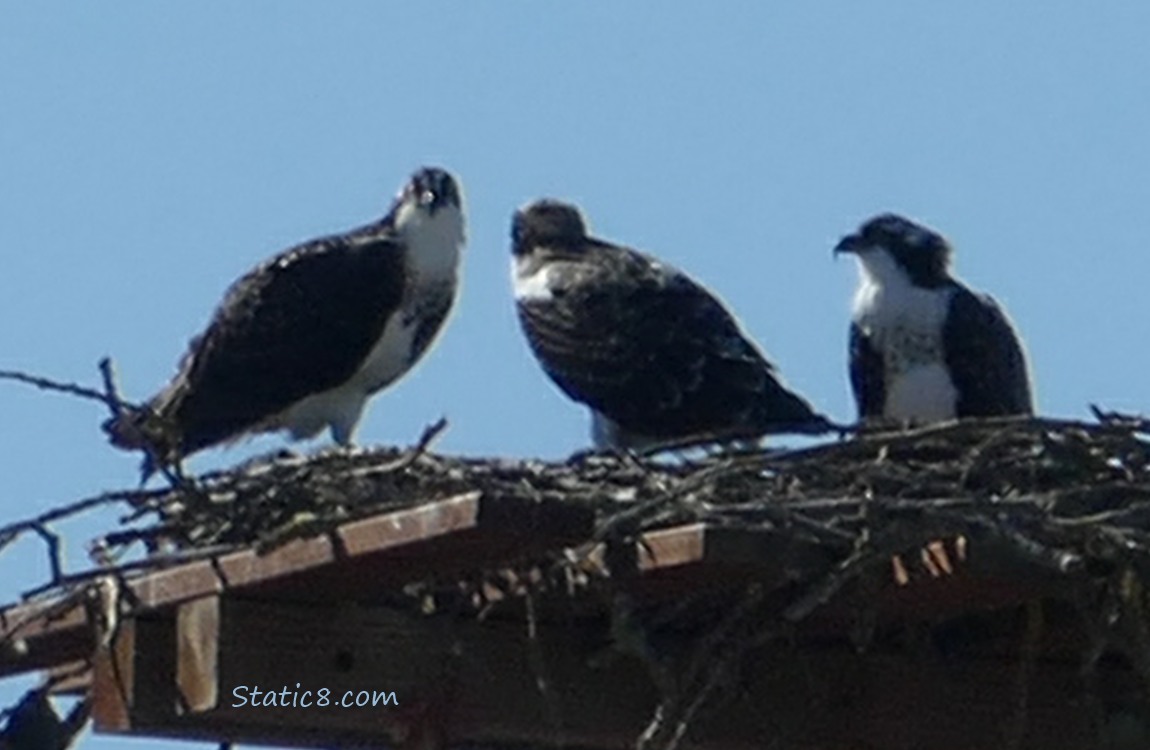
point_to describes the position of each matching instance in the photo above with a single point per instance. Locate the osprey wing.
(985, 358)
(867, 374)
(298, 325)
(644, 345)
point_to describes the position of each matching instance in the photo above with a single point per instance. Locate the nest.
(1080, 488)
(1069, 498)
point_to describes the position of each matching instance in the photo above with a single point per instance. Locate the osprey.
(302, 341)
(923, 346)
(657, 358)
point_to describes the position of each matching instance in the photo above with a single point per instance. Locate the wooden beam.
(42, 635)
(70, 678)
(456, 683)
(370, 535)
(136, 673)
(466, 533)
(197, 654)
(360, 558)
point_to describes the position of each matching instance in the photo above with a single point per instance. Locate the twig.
(830, 584)
(39, 526)
(115, 403)
(712, 661)
(152, 562)
(691, 483)
(72, 509)
(430, 434)
(72, 389)
(1126, 421)
(52, 539)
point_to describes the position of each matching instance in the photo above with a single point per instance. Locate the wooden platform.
(959, 656)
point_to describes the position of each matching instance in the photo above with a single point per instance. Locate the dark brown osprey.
(302, 341)
(656, 357)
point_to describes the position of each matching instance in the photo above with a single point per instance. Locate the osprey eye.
(426, 197)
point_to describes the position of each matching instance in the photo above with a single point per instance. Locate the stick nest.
(1063, 492)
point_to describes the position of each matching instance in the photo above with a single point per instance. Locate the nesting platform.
(978, 585)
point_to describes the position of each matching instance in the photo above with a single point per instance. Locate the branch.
(39, 525)
(109, 398)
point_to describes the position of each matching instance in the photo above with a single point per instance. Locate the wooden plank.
(477, 684)
(136, 673)
(113, 680)
(371, 535)
(42, 635)
(176, 584)
(468, 532)
(484, 526)
(722, 547)
(665, 564)
(70, 678)
(671, 548)
(249, 567)
(197, 654)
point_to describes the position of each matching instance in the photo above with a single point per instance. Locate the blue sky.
(152, 152)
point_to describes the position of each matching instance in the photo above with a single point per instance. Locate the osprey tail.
(142, 429)
(784, 411)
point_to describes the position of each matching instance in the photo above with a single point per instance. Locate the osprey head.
(430, 189)
(889, 241)
(549, 223)
(429, 205)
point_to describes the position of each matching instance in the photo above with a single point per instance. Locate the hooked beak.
(852, 243)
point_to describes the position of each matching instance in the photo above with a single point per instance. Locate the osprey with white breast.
(301, 342)
(924, 347)
(657, 358)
